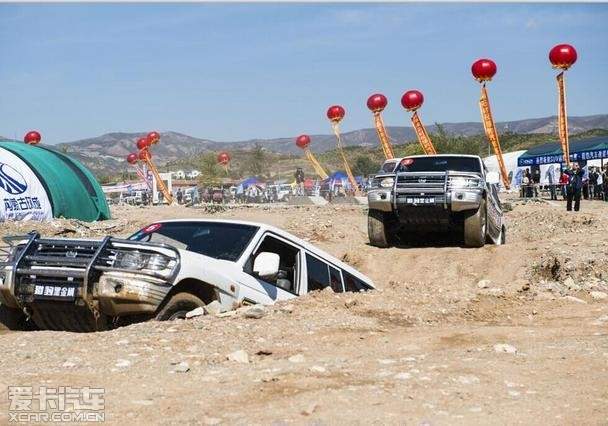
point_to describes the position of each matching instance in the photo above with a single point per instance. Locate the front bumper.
(40, 274)
(380, 199)
(461, 200)
(121, 293)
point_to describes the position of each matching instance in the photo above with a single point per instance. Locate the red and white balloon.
(483, 69)
(412, 100)
(32, 137)
(377, 102)
(563, 56)
(303, 141)
(336, 113)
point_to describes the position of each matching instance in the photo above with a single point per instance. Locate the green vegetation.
(364, 161)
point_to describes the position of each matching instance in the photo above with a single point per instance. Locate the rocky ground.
(502, 335)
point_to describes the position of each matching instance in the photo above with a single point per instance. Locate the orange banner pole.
(315, 164)
(385, 143)
(159, 182)
(423, 136)
(562, 118)
(336, 127)
(492, 134)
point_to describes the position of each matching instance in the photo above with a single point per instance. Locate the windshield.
(439, 164)
(225, 241)
(388, 167)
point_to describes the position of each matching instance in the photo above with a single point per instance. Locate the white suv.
(163, 271)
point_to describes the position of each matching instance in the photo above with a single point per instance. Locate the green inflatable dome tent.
(37, 183)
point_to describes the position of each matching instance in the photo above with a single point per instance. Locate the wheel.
(12, 319)
(178, 306)
(377, 229)
(475, 227)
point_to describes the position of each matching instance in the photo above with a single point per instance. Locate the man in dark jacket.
(574, 186)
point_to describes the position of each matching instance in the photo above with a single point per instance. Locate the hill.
(106, 154)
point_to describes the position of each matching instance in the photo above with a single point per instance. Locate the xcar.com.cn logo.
(11, 180)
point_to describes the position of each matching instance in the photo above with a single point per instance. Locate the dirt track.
(425, 347)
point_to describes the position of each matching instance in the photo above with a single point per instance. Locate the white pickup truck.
(163, 271)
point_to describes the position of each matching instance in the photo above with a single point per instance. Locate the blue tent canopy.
(248, 182)
(580, 150)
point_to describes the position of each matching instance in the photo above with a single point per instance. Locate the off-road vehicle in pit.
(422, 194)
(162, 271)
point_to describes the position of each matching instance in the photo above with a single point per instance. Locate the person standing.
(551, 180)
(574, 187)
(180, 196)
(536, 180)
(299, 176)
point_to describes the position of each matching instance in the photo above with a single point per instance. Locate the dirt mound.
(451, 335)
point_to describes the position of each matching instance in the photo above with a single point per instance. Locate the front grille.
(59, 265)
(421, 183)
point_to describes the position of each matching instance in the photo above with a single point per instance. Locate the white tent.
(510, 159)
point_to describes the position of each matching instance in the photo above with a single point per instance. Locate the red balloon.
(563, 56)
(336, 113)
(412, 100)
(153, 138)
(223, 158)
(32, 138)
(377, 102)
(483, 69)
(142, 143)
(303, 141)
(144, 154)
(132, 158)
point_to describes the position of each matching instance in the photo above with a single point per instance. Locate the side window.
(321, 275)
(352, 283)
(288, 265)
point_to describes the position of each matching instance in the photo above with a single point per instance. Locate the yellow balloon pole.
(315, 164)
(423, 136)
(159, 182)
(492, 134)
(385, 142)
(562, 57)
(335, 124)
(562, 117)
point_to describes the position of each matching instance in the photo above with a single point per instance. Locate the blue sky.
(239, 71)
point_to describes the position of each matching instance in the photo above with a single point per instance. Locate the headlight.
(136, 260)
(387, 182)
(464, 182)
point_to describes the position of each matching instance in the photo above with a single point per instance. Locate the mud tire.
(378, 229)
(475, 227)
(178, 306)
(12, 319)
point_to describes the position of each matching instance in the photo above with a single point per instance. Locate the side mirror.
(266, 265)
(492, 178)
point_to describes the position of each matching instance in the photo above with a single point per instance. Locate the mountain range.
(106, 153)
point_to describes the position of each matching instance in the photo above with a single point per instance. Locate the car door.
(286, 286)
(494, 214)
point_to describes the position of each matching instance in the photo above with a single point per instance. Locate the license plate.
(54, 291)
(420, 201)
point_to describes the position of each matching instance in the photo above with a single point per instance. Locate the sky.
(230, 72)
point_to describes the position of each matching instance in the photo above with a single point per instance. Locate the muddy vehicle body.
(163, 271)
(439, 193)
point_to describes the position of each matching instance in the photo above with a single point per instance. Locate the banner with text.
(22, 196)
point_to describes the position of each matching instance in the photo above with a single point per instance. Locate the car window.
(351, 283)
(225, 241)
(321, 275)
(388, 167)
(287, 278)
(439, 164)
